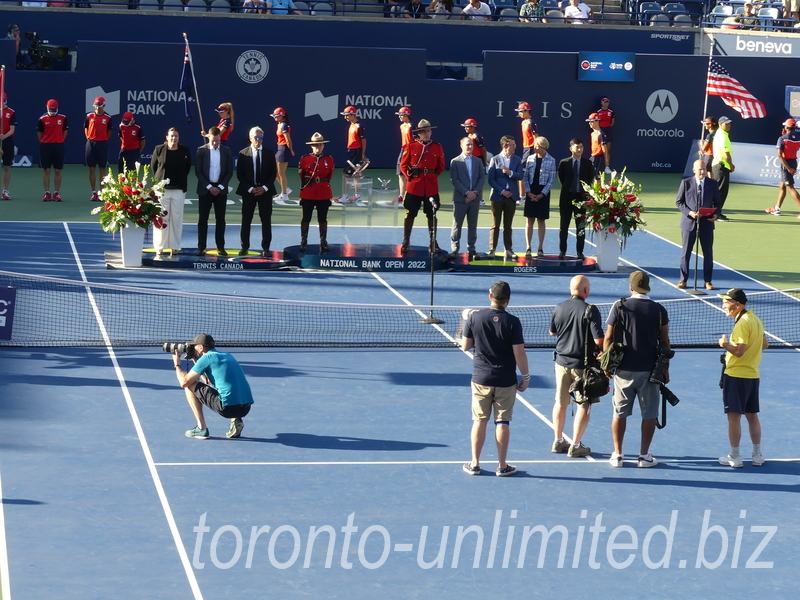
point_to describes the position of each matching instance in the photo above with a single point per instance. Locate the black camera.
(43, 53)
(667, 395)
(657, 374)
(180, 348)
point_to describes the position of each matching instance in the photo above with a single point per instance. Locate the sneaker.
(723, 218)
(647, 460)
(6, 195)
(57, 197)
(510, 255)
(490, 255)
(559, 447)
(236, 428)
(338, 201)
(730, 461)
(758, 459)
(47, 197)
(287, 191)
(581, 450)
(196, 432)
(616, 459)
(470, 470)
(506, 471)
(95, 197)
(774, 211)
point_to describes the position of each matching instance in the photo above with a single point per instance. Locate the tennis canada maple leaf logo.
(252, 66)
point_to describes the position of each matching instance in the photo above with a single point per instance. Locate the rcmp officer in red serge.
(422, 163)
(131, 138)
(52, 131)
(316, 171)
(8, 125)
(97, 129)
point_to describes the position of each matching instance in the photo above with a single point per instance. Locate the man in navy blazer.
(571, 189)
(698, 192)
(505, 173)
(256, 189)
(467, 174)
(213, 165)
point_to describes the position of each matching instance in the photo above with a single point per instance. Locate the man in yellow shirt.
(740, 378)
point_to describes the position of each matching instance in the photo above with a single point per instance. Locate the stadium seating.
(681, 20)
(222, 6)
(196, 6)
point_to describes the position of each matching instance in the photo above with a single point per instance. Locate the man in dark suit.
(466, 173)
(214, 169)
(505, 173)
(256, 170)
(698, 192)
(571, 172)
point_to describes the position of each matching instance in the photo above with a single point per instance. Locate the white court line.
(471, 357)
(5, 583)
(346, 463)
(173, 526)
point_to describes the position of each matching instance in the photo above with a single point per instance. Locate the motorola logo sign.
(662, 106)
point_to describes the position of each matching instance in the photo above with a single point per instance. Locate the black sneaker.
(506, 471)
(723, 218)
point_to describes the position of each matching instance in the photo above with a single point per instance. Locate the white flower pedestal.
(607, 251)
(132, 239)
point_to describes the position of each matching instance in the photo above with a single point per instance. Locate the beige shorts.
(564, 378)
(790, 6)
(484, 397)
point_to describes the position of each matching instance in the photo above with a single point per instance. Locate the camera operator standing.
(230, 397)
(644, 325)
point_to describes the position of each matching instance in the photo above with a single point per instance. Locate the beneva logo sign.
(763, 47)
(756, 45)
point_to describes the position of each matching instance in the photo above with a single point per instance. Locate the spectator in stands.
(791, 9)
(254, 6)
(477, 11)
(282, 7)
(532, 12)
(442, 9)
(748, 19)
(415, 10)
(578, 13)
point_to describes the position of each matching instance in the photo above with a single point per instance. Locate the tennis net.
(58, 312)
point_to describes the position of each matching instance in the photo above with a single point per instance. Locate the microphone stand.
(430, 319)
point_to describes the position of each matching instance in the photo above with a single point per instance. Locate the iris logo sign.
(662, 106)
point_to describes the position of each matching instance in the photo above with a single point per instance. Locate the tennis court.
(347, 480)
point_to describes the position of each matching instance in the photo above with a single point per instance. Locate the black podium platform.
(366, 257)
(185, 259)
(548, 263)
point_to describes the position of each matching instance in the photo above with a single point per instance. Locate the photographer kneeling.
(230, 396)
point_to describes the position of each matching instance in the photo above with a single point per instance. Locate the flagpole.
(194, 82)
(705, 99)
(2, 91)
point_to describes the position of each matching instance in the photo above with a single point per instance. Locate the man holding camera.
(740, 378)
(568, 324)
(644, 328)
(217, 381)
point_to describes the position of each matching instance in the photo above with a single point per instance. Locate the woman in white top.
(441, 9)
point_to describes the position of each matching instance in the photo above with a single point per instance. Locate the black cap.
(640, 282)
(734, 294)
(500, 290)
(203, 339)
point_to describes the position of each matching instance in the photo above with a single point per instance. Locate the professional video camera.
(181, 348)
(42, 53)
(657, 374)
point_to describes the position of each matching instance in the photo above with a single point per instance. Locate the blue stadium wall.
(272, 63)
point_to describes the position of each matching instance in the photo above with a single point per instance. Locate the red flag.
(734, 94)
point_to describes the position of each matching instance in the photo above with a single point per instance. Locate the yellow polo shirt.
(748, 330)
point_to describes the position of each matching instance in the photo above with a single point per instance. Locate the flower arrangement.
(131, 199)
(614, 205)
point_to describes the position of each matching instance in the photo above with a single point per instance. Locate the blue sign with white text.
(606, 66)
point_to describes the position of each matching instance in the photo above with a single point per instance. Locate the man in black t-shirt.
(499, 350)
(567, 323)
(645, 329)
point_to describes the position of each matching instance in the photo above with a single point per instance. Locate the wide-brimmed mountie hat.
(734, 294)
(317, 138)
(203, 339)
(640, 282)
(424, 124)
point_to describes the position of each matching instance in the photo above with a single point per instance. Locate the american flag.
(720, 83)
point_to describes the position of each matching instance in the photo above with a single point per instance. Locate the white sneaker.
(338, 201)
(287, 191)
(616, 459)
(730, 461)
(774, 211)
(647, 460)
(758, 459)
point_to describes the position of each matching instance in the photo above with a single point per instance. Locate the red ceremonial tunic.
(429, 158)
(315, 177)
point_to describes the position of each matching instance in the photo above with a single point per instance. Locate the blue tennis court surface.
(347, 482)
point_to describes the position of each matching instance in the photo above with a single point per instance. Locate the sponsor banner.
(8, 300)
(732, 44)
(606, 66)
(792, 101)
(350, 263)
(756, 164)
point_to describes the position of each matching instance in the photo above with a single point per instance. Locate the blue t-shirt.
(226, 375)
(495, 333)
(641, 324)
(281, 7)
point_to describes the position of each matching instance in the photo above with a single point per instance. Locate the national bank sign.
(756, 45)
